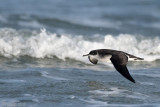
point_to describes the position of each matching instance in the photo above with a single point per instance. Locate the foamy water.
(46, 44)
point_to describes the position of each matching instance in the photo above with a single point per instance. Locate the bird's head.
(92, 53)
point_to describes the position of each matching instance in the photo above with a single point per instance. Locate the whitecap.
(45, 44)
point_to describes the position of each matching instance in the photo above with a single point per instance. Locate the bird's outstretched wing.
(120, 61)
(92, 60)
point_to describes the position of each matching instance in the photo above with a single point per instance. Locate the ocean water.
(42, 44)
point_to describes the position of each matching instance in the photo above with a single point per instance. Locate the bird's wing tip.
(134, 81)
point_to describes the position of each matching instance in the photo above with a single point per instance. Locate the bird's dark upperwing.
(119, 61)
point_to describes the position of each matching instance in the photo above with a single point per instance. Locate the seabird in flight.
(118, 58)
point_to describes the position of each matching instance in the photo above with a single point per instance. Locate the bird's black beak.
(86, 55)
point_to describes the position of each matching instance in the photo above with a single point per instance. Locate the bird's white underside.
(101, 59)
(130, 59)
(106, 58)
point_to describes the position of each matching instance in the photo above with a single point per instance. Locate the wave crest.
(44, 44)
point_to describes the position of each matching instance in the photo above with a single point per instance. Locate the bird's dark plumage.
(94, 61)
(118, 58)
(120, 61)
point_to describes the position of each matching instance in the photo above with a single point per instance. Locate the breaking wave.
(14, 43)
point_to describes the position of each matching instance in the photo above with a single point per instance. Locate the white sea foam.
(116, 92)
(46, 74)
(11, 81)
(44, 44)
(147, 83)
(95, 103)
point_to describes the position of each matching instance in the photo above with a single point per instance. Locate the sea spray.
(45, 44)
